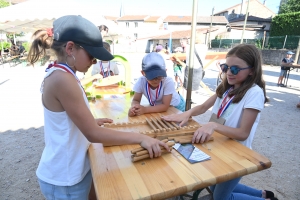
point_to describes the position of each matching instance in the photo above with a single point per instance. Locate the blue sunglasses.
(233, 69)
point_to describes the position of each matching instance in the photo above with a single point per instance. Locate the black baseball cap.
(153, 65)
(82, 32)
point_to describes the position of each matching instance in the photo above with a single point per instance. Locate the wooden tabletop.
(117, 177)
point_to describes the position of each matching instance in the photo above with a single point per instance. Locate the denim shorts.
(282, 72)
(79, 191)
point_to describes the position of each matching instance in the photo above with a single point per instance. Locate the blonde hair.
(43, 41)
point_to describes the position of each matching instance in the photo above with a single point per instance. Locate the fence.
(274, 42)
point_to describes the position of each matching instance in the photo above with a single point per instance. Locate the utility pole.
(297, 52)
(241, 12)
(245, 22)
(188, 103)
(211, 18)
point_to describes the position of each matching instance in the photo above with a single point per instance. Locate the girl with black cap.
(64, 169)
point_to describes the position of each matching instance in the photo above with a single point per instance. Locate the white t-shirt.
(201, 50)
(110, 64)
(167, 88)
(254, 99)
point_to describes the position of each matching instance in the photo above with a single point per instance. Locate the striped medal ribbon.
(158, 89)
(225, 103)
(102, 69)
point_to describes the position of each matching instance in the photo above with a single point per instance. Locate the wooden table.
(116, 177)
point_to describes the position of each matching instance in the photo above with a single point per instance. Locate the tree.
(289, 7)
(3, 4)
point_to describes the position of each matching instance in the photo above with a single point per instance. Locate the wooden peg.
(151, 125)
(155, 122)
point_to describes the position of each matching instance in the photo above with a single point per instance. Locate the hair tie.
(50, 32)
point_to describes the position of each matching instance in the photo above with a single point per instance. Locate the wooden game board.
(156, 127)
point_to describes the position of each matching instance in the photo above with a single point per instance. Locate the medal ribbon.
(225, 103)
(158, 89)
(67, 69)
(102, 69)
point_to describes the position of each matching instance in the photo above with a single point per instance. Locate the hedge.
(285, 24)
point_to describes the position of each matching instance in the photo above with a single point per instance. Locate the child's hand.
(139, 109)
(153, 146)
(204, 133)
(131, 112)
(101, 121)
(182, 118)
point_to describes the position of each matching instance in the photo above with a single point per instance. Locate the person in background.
(103, 30)
(64, 169)
(156, 87)
(184, 43)
(285, 65)
(21, 48)
(13, 50)
(169, 63)
(178, 65)
(105, 68)
(236, 108)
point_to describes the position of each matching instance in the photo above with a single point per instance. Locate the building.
(256, 8)
(258, 21)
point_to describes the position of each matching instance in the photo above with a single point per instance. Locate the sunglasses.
(92, 58)
(233, 69)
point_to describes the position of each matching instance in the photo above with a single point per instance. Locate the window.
(136, 24)
(135, 35)
(127, 24)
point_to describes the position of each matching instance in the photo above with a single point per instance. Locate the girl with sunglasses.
(236, 108)
(64, 169)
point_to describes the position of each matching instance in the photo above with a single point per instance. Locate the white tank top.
(64, 161)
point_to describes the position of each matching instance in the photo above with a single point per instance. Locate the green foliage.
(286, 24)
(258, 43)
(3, 4)
(6, 45)
(26, 45)
(10, 36)
(289, 7)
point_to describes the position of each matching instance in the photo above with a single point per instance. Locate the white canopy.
(35, 14)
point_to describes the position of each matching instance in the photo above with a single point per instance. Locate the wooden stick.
(169, 124)
(163, 124)
(133, 151)
(152, 126)
(158, 126)
(176, 126)
(137, 158)
(143, 152)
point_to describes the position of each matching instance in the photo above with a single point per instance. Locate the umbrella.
(35, 14)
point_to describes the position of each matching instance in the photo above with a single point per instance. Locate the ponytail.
(42, 41)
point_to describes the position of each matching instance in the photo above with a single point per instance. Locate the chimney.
(265, 2)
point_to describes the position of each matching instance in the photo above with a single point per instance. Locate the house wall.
(255, 9)
(237, 34)
(269, 57)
